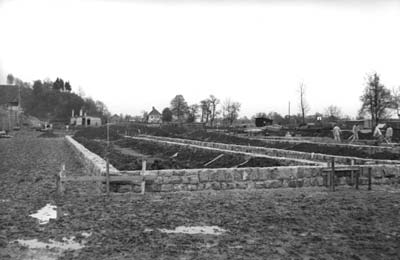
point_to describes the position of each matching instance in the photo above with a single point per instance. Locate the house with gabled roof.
(154, 117)
(10, 109)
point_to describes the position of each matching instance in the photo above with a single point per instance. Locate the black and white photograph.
(199, 129)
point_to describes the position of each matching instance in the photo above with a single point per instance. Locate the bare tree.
(396, 99)
(260, 114)
(230, 111)
(333, 112)
(205, 110)
(192, 113)
(304, 107)
(213, 108)
(376, 99)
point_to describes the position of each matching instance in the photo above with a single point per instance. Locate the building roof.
(9, 95)
(154, 112)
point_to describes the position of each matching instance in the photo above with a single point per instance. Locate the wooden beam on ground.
(213, 160)
(240, 164)
(342, 168)
(113, 178)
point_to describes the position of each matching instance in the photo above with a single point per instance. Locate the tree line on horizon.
(378, 102)
(54, 100)
(206, 110)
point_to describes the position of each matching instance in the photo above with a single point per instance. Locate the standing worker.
(389, 134)
(378, 134)
(356, 129)
(336, 133)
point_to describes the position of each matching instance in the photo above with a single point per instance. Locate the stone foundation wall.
(274, 152)
(258, 178)
(369, 149)
(94, 164)
(228, 178)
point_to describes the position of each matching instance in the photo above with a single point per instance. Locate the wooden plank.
(213, 160)
(342, 169)
(137, 179)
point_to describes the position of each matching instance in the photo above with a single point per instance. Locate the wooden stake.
(358, 177)
(369, 178)
(108, 177)
(352, 174)
(327, 177)
(108, 160)
(333, 175)
(60, 189)
(143, 184)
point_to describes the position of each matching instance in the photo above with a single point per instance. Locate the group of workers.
(356, 129)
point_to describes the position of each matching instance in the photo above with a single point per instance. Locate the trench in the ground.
(127, 154)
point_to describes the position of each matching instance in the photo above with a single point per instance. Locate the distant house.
(154, 117)
(115, 119)
(84, 120)
(10, 109)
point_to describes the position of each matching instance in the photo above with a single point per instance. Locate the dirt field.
(259, 224)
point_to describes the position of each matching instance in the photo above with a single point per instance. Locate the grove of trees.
(55, 101)
(377, 100)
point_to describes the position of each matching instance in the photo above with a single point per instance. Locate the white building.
(84, 120)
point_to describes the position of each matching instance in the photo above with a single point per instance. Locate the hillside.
(48, 101)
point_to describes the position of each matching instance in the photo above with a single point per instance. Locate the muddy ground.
(260, 224)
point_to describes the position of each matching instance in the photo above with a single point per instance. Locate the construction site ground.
(287, 223)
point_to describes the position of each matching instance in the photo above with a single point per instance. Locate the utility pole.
(108, 160)
(289, 114)
(19, 106)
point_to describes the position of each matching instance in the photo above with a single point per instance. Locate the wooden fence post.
(108, 159)
(143, 184)
(333, 175)
(352, 174)
(358, 173)
(327, 176)
(59, 176)
(369, 178)
(108, 177)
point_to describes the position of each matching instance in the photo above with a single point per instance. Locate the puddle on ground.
(51, 250)
(45, 214)
(66, 244)
(206, 230)
(86, 234)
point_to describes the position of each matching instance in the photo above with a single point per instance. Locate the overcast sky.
(133, 55)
